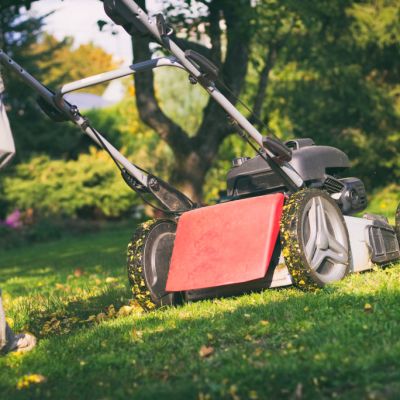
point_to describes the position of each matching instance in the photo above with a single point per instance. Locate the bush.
(87, 187)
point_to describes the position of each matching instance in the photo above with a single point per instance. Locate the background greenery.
(333, 75)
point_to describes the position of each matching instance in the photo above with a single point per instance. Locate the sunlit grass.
(340, 342)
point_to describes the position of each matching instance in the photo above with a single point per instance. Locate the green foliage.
(52, 62)
(122, 126)
(88, 186)
(180, 100)
(335, 78)
(33, 133)
(68, 64)
(43, 230)
(9, 237)
(14, 5)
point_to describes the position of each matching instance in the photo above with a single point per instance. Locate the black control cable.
(248, 108)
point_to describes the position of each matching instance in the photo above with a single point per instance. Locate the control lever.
(209, 69)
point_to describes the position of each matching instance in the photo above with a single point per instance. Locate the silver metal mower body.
(372, 242)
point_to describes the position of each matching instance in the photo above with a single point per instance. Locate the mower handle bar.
(64, 107)
(179, 60)
(116, 74)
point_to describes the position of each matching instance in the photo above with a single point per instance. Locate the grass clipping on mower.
(291, 251)
(135, 270)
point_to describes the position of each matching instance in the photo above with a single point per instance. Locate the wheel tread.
(135, 270)
(290, 231)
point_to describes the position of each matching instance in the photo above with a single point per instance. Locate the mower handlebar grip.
(131, 17)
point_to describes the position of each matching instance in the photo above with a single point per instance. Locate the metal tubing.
(26, 77)
(137, 15)
(119, 73)
(65, 107)
(131, 168)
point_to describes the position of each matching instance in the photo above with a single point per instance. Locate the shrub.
(87, 187)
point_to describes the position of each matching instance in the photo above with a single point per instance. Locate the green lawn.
(340, 342)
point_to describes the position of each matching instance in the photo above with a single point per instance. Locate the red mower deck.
(225, 244)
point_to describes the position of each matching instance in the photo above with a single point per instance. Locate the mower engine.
(373, 239)
(317, 165)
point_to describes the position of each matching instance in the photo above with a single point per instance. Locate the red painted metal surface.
(225, 244)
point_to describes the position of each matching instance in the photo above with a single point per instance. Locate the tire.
(397, 223)
(149, 255)
(315, 244)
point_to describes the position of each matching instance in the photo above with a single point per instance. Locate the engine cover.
(312, 163)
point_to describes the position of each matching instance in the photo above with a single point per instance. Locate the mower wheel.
(149, 255)
(315, 240)
(397, 223)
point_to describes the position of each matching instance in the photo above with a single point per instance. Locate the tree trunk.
(263, 84)
(194, 155)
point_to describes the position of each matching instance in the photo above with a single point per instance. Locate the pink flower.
(14, 220)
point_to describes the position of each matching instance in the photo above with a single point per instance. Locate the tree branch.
(233, 73)
(269, 63)
(215, 33)
(148, 107)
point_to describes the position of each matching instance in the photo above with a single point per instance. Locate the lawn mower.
(287, 217)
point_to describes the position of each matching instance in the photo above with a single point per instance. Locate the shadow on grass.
(284, 344)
